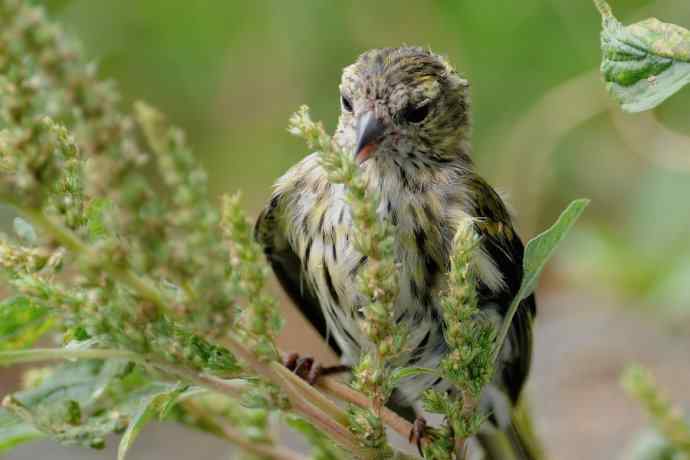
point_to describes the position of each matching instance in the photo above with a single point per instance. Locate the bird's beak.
(369, 133)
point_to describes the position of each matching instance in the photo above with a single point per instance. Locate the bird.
(405, 117)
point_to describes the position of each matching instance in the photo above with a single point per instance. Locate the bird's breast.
(323, 236)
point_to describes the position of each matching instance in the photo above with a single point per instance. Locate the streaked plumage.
(421, 169)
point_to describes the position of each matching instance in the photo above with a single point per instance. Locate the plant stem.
(201, 379)
(142, 286)
(8, 358)
(604, 9)
(305, 399)
(506, 323)
(263, 450)
(333, 387)
(301, 404)
(234, 436)
(318, 400)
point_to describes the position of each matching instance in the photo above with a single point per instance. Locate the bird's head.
(403, 105)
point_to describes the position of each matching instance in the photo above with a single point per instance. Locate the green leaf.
(537, 252)
(22, 322)
(96, 214)
(644, 63)
(77, 403)
(14, 432)
(322, 447)
(540, 248)
(156, 405)
(24, 230)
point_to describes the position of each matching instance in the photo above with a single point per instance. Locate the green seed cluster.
(374, 239)
(259, 322)
(669, 420)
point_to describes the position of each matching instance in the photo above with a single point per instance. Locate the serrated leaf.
(644, 63)
(22, 322)
(537, 252)
(77, 403)
(155, 405)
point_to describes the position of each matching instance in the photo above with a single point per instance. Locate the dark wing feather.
(288, 268)
(502, 244)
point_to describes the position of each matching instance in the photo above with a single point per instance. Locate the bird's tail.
(516, 441)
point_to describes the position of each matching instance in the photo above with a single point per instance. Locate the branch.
(300, 389)
(66, 237)
(306, 400)
(227, 387)
(236, 437)
(257, 448)
(331, 386)
(8, 358)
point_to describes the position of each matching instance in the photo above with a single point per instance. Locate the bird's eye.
(414, 114)
(347, 104)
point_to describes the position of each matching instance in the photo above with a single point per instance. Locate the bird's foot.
(309, 369)
(417, 433)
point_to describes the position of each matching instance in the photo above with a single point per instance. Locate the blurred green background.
(232, 72)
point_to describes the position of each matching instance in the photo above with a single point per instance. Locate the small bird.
(405, 116)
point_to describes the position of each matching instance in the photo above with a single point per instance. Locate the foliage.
(22, 322)
(260, 321)
(473, 343)
(469, 366)
(379, 282)
(120, 253)
(644, 63)
(668, 420)
(537, 252)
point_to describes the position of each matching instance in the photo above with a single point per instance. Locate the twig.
(201, 379)
(297, 394)
(331, 386)
(51, 354)
(234, 436)
(604, 9)
(319, 400)
(142, 286)
(262, 450)
(305, 399)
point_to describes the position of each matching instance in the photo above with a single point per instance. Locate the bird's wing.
(269, 231)
(502, 244)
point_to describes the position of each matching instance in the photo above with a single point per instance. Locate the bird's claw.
(309, 369)
(417, 433)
